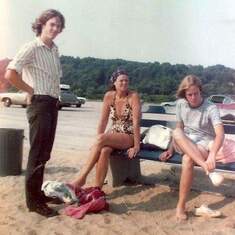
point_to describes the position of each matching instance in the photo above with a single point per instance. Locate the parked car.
(82, 100)
(223, 101)
(68, 99)
(15, 98)
(169, 103)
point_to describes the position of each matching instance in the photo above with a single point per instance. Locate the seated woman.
(123, 107)
(198, 124)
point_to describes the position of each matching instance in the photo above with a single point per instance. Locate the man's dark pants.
(42, 117)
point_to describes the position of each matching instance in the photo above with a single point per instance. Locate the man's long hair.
(44, 17)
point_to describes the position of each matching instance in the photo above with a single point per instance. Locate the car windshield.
(217, 99)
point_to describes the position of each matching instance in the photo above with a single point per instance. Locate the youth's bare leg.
(112, 140)
(102, 166)
(186, 183)
(189, 148)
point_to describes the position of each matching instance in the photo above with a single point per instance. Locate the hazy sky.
(176, 31)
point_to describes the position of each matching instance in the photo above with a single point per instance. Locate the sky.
(175, 31)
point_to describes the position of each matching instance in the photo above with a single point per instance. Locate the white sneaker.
(216, 178)
(205, 211)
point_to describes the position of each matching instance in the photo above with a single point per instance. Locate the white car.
(168, 104)
(222, 99)
(17, 98)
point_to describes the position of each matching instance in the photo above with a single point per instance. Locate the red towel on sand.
(91, 199)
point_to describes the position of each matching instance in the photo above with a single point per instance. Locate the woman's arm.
(217, 143)
(104, 114)
(136, 119)
(136, 109)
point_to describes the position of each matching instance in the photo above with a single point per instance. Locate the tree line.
(155, 82)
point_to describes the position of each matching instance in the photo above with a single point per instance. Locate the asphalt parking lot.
(76, 127)
(75, 130)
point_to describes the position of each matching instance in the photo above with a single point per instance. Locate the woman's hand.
(133, 151)
(211, 162)
(165, 155)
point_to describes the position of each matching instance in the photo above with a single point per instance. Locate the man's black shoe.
(43, 209)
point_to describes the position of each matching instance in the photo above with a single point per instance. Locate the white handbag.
(158, 135)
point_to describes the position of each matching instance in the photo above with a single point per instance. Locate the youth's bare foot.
(181, 215)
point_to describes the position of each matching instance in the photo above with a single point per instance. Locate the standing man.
(36, 69)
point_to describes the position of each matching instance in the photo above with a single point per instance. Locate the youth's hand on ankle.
(211, 162)
(205, 168)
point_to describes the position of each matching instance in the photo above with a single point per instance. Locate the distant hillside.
(155, 82)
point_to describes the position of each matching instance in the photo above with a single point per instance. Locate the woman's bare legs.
(189, 148)
(94, 155)
(112, 140)
(102, 166)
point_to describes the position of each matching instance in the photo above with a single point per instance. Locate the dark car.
(82, 100)
(68, 99)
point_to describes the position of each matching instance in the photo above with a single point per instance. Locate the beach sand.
(134, 209)
(138, 209)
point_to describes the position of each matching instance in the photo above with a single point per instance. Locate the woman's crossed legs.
(99, 155)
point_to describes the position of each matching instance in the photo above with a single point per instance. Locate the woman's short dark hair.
(114, 77)
(44, 17)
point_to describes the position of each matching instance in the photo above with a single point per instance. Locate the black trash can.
(11, 151)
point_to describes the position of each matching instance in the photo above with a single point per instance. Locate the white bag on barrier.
(158, 135)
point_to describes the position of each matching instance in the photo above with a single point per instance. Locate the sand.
(134, 209)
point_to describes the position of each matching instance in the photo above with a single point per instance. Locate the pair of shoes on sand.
(205, 211)
(216, 178)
